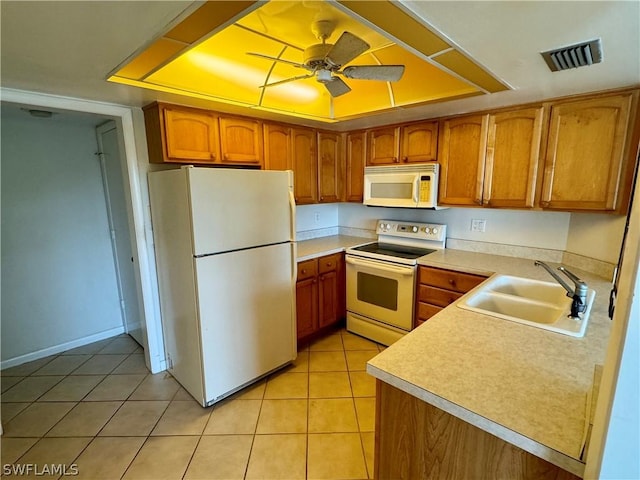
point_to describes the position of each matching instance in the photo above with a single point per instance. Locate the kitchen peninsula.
(467, 394)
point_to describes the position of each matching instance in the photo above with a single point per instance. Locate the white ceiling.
(68, 48)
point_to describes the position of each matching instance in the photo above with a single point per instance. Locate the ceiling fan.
(324, 61)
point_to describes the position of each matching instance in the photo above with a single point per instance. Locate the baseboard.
(45, 352)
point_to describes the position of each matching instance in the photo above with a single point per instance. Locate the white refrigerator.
(225, 254)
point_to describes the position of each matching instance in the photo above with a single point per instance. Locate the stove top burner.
(393, 250)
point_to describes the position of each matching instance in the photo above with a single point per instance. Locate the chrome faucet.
(578, 293)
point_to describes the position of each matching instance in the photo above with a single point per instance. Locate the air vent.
(574, 56)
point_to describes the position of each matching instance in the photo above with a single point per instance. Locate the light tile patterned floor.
(99, 408)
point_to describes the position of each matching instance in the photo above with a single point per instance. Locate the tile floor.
(97, 407)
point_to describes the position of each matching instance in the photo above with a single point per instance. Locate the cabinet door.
(191, 135)
(306, 306)
(382, 146)
(461, 153)
(241, 141)
(305, 165)
(513, 154)
(329, 166)
(355, 167)
(419, 142)
(328, 298)
(277, 147)
(584, 156)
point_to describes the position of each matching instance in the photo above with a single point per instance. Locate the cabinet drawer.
(328, 263)
(426, 311)
(450, 280)
(437, 296)
(307, 269)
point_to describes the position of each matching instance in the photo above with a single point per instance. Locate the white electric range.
(381, 278)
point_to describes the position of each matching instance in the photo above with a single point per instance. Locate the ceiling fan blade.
(275, 59)
(337, 87)
(287, 80)
(346, 49)
(389, 73)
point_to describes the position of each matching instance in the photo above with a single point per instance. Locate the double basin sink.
(530, 302)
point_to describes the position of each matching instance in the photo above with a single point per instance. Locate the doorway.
(110, 155)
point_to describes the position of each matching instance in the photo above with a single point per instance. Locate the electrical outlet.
(316, 217)
(478, 225)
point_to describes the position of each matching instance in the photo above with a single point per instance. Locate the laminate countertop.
(317, 247)
(525, 385)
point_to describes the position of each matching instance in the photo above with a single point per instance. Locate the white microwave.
(408, 186)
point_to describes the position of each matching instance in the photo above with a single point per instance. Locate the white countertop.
(317, 247)
(523, 384)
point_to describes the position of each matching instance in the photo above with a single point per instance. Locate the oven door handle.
(406, 271)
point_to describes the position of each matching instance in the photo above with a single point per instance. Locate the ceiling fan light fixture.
(324, 76)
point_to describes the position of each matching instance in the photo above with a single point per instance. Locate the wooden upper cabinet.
(241, 140)
(419, 142)
(355, 160)
(277, 147)
(461, 154)
(181, 134)
(382, 146)
(584, 157)
(330, 155)
(305, 165)
(513, 155)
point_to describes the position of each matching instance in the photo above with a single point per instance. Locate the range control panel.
(419, 231)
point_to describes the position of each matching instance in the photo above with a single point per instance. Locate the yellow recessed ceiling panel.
(250, 45)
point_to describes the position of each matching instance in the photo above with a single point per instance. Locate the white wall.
(312, 217)
(58, 276)
(620, 458)
(596, 236)
(512, 227)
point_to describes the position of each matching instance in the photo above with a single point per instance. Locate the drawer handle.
(452, 282)
(304, 270)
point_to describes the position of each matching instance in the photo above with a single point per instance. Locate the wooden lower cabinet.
(320, 294)
(415, 440)
(437, 288)
(307, 298)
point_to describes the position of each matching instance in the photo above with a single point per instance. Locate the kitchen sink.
(530, 302)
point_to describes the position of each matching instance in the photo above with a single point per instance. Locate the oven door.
(381, 291)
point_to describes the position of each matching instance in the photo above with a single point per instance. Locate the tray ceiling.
(205, 56)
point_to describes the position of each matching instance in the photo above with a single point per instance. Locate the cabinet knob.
(545, 204)
(395, 159)
(478, 201)
(405, 159)
(452, 281)
(226, 156)
(321, 199)
(304, 270)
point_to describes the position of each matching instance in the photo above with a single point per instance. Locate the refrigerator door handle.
(292, 210)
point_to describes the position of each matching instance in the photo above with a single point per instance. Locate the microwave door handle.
(416, 190)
